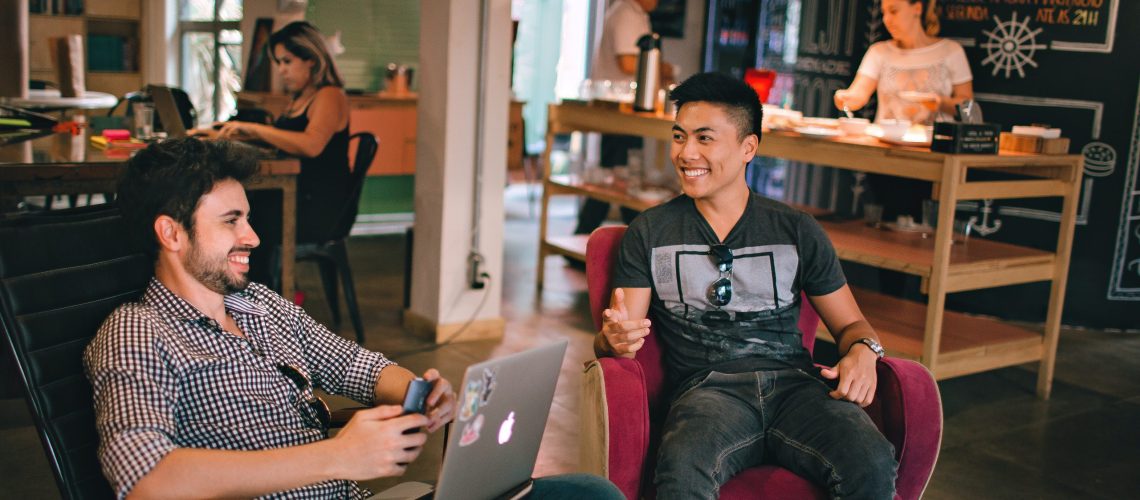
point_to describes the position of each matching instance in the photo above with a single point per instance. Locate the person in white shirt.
(626, 21)
(918, 76)
(616, 61)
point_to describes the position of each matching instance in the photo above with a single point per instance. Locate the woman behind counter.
(314, 127)
(918, 76)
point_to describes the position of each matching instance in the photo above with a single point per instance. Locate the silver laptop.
(493, 442)
(167, 111)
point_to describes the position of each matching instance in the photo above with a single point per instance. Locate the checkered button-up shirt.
(166, 376)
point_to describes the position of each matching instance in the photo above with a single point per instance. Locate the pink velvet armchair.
(907, 407)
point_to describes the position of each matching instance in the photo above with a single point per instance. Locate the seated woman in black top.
(314, 127)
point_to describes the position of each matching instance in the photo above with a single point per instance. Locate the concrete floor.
(999, 440)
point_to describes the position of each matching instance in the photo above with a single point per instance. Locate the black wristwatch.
(875, 346)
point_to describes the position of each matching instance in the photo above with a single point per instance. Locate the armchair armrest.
(908, 410)
(615, 422)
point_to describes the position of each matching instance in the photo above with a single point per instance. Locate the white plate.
(820, 132)
(906, 141)
(811, 121)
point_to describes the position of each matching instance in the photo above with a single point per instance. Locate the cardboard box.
(1032, 144)
(965, 138)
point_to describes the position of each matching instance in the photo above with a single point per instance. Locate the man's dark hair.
(170, 177)
(737, 98)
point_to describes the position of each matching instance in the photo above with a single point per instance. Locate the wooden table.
(950, 344)
(68, 164)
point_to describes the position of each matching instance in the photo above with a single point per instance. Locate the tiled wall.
(373, 32)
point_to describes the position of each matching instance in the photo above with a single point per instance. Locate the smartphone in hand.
(415, 399)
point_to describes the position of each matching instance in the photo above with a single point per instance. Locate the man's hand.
(623, 335)
(856, 374)
(441, 401)
(374, 443)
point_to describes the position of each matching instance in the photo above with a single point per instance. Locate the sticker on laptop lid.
(471, 431)
(489, 385)
(472, 394)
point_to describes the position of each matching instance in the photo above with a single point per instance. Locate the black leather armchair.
(61, 275)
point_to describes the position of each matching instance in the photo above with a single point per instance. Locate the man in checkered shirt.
(204, 387)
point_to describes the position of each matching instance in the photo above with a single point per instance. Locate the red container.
(761, 81)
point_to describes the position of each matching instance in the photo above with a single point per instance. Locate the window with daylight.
(210, 55)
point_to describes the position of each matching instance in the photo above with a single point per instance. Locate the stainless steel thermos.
(648, 72)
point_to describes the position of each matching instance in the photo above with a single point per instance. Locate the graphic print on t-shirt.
(762, 278)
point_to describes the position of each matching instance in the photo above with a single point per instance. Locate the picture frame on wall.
(668, 19)
(257, 71)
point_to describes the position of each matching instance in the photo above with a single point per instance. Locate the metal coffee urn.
(648, 72)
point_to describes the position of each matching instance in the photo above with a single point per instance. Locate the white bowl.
(854, 126)
(893, 129)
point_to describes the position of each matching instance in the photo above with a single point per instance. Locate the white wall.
(446, 155)
(160, 42)
(686, 52)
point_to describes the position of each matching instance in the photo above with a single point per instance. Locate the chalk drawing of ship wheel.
(1011, 45)
(1100, 159)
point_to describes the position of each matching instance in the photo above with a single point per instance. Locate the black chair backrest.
(366, 147)
(61, 274)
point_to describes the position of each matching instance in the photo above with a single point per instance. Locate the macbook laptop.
(167, 111)
(493, 442)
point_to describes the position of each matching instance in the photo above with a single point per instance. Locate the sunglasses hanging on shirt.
(720, 291)
(320, 411)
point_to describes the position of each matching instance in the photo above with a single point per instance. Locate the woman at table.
(313, 127)
(918, 77)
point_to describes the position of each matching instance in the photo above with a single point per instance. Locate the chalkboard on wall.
(1065, 63)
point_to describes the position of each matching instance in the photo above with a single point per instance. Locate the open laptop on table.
(493, 442)
(167, 111)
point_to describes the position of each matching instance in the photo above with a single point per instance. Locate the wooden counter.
(912, 330)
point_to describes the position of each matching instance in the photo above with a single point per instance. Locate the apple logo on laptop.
(506, 428)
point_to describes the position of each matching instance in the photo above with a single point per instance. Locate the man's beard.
(215, 274)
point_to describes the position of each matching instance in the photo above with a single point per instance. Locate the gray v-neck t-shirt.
(778, 252)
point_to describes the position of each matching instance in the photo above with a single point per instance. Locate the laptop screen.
(504, 404)
(167, 111)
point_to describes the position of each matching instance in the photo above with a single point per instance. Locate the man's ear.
(750, 146)
(169, 233)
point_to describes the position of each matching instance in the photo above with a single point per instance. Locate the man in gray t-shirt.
(722, 272)
(777, 252)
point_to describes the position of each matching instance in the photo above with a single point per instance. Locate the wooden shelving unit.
(118, 19)
(950, 344)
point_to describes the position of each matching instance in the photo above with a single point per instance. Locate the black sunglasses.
(320, 411)
(720, 291)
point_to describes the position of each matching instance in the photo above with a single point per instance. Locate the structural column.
(448, 154)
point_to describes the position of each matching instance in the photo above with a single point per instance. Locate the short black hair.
(170, 177)
(737, 98)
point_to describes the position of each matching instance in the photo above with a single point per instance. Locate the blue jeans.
(574, 486)
(730, 422)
